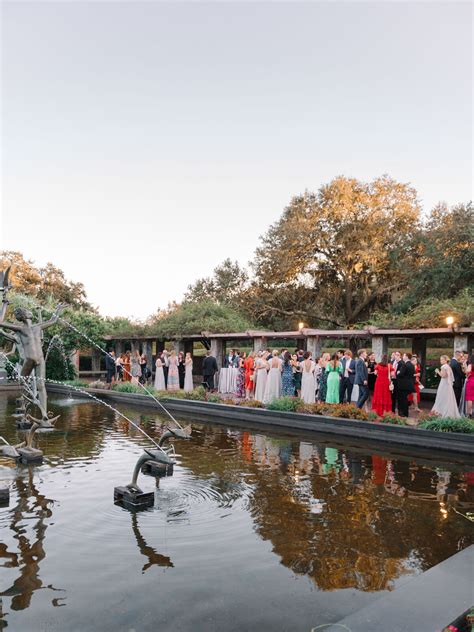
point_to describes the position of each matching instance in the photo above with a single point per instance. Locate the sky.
(145, 142)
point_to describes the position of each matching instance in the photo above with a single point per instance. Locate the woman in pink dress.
(469, 395)
(382, 398)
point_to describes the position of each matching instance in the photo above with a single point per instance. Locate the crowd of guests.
(173, 371)
(390, 385)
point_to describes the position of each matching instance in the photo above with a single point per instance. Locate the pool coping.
(429, 602)
(386, 434)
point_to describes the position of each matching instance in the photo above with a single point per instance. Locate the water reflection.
(238, 501)
(28, 524)
(154, 558)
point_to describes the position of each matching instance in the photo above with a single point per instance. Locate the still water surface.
(252, 532)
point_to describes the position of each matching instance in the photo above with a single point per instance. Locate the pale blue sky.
(155, 139)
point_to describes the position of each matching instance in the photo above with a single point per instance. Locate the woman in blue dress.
(287, 380)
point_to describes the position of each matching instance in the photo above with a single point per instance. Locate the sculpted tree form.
(29, 337)
(336, 254)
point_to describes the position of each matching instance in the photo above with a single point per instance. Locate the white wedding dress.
(445, 402)
(308, 385)
(273, 385)
(188, 377)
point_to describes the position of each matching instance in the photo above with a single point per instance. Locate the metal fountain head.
(177, 433)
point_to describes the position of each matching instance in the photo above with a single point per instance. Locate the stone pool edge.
(404, 436)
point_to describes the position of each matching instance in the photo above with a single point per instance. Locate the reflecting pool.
(254, 531)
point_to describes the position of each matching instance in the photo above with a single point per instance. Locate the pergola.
(306, 338)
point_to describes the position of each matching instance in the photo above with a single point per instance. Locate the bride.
(445, 403)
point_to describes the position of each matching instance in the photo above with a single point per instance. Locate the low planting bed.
(292, 414)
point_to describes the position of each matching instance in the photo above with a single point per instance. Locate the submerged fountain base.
(30, 455)
(133, 498)
(23, 424)
(157, 469)
(4, 496)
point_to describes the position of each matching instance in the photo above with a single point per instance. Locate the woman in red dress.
(249, 366)
(415, 397)
(382, 399)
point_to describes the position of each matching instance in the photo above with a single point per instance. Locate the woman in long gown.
(445, 403)
(323, 377)
(308, 384)
(287, 381)
(382, 399)
(188, 373)
(135, 368)
(261, 367)
(273, 386)
(296, 364)
(415, 397)
(126, 367)
(173, 373)
(249, 366)
(469, 392)
(181, 369)
(240, 382)
(334, 370)
(159, 375)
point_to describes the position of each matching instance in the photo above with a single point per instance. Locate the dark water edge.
(255, 531)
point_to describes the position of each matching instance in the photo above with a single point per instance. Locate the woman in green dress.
(333, 370)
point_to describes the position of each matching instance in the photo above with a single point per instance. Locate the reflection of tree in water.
(366, 536)
(154, 558)
(35, 508)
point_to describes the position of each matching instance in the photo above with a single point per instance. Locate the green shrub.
(448, 424)
(214, 399)
(285, 404)
(128, 387)
(251, 403)
(76, 383)
(392, 418)
(348, 411)
(372, 416)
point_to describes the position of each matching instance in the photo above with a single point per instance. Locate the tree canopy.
(42, 282)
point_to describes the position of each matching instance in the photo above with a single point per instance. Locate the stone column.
(313, 344)
(259, 343)
(119, 348)
(178, 345)
(74, 360)
(379, 346)
(146, 349)
(217, 350)
(96, 360)
(135, 345)
(461, 343)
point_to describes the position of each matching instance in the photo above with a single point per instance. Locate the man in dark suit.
(209, 369)
(165, 361)
(395, 359)
(348, 377)
(229, 360)
(458, 374)
(362, 377)
(405, 383)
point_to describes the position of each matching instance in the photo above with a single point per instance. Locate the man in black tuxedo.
(165, 361)
(405, 383)
(458, 374)
(348, 377)
(394, 361)
(209, 369)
